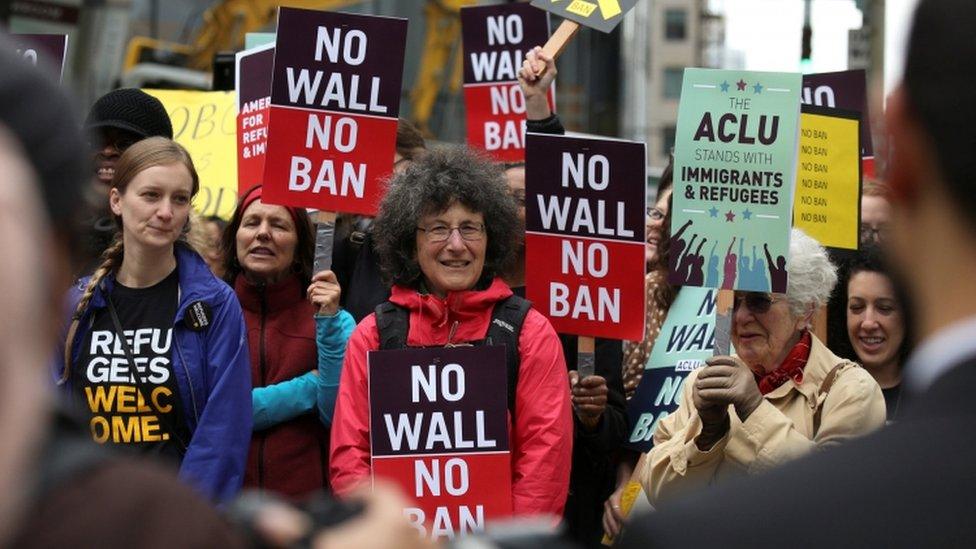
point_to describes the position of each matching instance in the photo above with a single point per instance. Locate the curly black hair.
(869, 258)
(430, 185)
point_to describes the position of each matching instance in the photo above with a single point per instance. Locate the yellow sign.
(609, 8)
(828, 173)
(206, 124)
(581, 8)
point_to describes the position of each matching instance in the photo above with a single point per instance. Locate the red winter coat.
(542, 439)
(289, 458)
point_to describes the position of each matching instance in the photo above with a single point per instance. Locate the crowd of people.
(210, 352)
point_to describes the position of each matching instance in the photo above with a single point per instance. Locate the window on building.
(675, 24)
(672, 82)
(667, 139)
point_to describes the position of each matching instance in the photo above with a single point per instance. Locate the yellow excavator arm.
(224, 26)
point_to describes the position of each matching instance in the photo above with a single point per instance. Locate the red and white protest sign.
(439, 429)
(495, 40)
(584, 224)
(335, 99)
(253, 83)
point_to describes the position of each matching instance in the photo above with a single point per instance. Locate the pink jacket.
(542, 440)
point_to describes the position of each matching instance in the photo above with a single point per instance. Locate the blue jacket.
(212, 370)
(280, 402)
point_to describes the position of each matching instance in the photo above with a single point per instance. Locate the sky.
(768, 33)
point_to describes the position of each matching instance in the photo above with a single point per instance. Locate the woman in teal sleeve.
(297, 337)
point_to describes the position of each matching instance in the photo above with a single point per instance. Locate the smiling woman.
(784, 394)
(153, 326)
(445, 231)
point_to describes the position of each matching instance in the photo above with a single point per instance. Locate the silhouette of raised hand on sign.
(759, 280)
(711, 278)
(777, 271)
(678, 245)
(684, 267)
(696, 276)
(728, 281)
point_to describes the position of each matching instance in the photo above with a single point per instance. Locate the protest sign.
(495, 40)
(584, 221)
(43, 50)
(734, 170)
(204, 123)
(439, 429)
(602, 15)
(842, 90)
(335, 99)
(828, 191)
(255, 39)
(253, 85)
(685, 341)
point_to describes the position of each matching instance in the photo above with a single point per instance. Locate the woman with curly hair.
(445, 231)
(156, 352)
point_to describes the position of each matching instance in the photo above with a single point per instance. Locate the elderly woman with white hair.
(781, 396)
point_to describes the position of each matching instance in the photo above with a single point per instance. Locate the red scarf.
(791, 368)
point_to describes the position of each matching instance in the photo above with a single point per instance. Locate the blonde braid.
(111, 261)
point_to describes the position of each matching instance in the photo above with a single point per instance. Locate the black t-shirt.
(139, 414)
(892, 396)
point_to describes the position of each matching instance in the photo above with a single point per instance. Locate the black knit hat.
(130, 109)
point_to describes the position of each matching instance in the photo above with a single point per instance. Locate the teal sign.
(685, 341)
(734, 172)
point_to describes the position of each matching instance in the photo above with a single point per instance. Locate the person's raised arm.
(535, 88)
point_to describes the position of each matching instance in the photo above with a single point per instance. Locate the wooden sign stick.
(324, 240)
(586, 360)
(723, 338)
(559, 40)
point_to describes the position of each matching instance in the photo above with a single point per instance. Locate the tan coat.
(779, 430)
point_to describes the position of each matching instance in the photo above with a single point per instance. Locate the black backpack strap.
(392, 322)
(505, 328)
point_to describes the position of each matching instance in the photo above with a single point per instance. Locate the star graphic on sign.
(741, 85)
(747, 214)
(730, 216)
(725, 86)
(713, 212)
(758, 88)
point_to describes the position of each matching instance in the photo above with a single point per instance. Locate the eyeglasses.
(655, 214)
(471, 232)
(873, 233)
(121, 143)
(757, 302)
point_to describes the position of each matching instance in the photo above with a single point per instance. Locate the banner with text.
(204, 123)
(335, 99)
(841, 90)
(253, 84)
(439, 429)
(495, 41)
(585, 204)
(734, 170)
(47, 51)
(602, 15)
(685, 341)
(828, 191)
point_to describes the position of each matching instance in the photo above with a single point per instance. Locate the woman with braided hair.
(156, 352)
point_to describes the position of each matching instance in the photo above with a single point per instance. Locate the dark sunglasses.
(757, 302)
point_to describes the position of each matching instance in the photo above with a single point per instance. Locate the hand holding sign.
(589, 398)
(727, 380)
(535, 88)
(324, 293)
